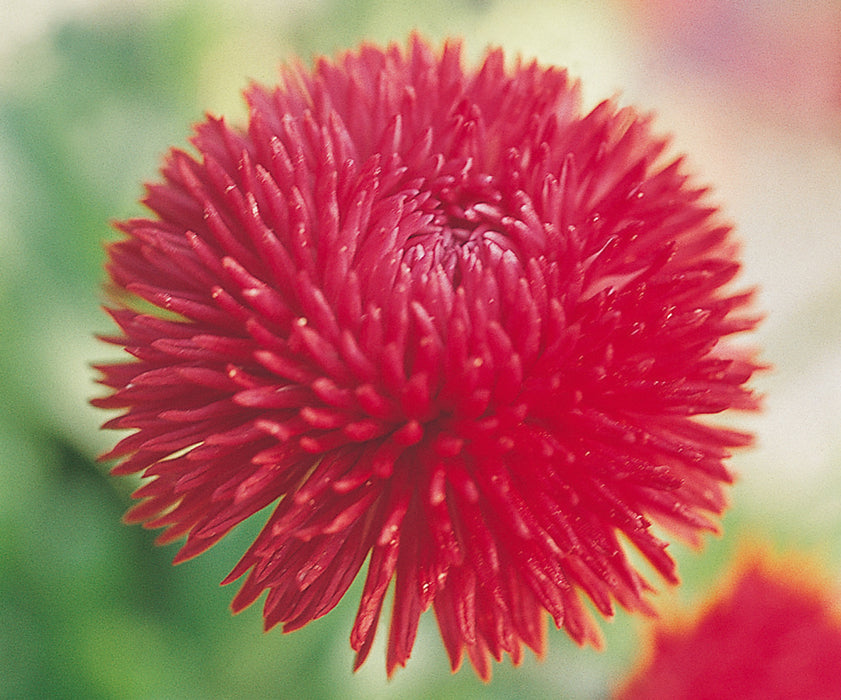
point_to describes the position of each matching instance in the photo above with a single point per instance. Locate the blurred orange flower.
(772, 633)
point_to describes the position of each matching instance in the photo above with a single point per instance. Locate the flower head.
(771, 633)
(445, 322)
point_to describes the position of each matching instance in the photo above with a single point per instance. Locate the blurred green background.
(91, 95)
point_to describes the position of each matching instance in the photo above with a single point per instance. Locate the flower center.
(468, 218)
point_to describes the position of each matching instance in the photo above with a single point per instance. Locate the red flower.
(772, 634)
(443, 320)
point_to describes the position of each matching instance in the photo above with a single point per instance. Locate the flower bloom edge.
(449, 325)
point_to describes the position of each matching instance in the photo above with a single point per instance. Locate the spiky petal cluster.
(773, 632)
(443, 321)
